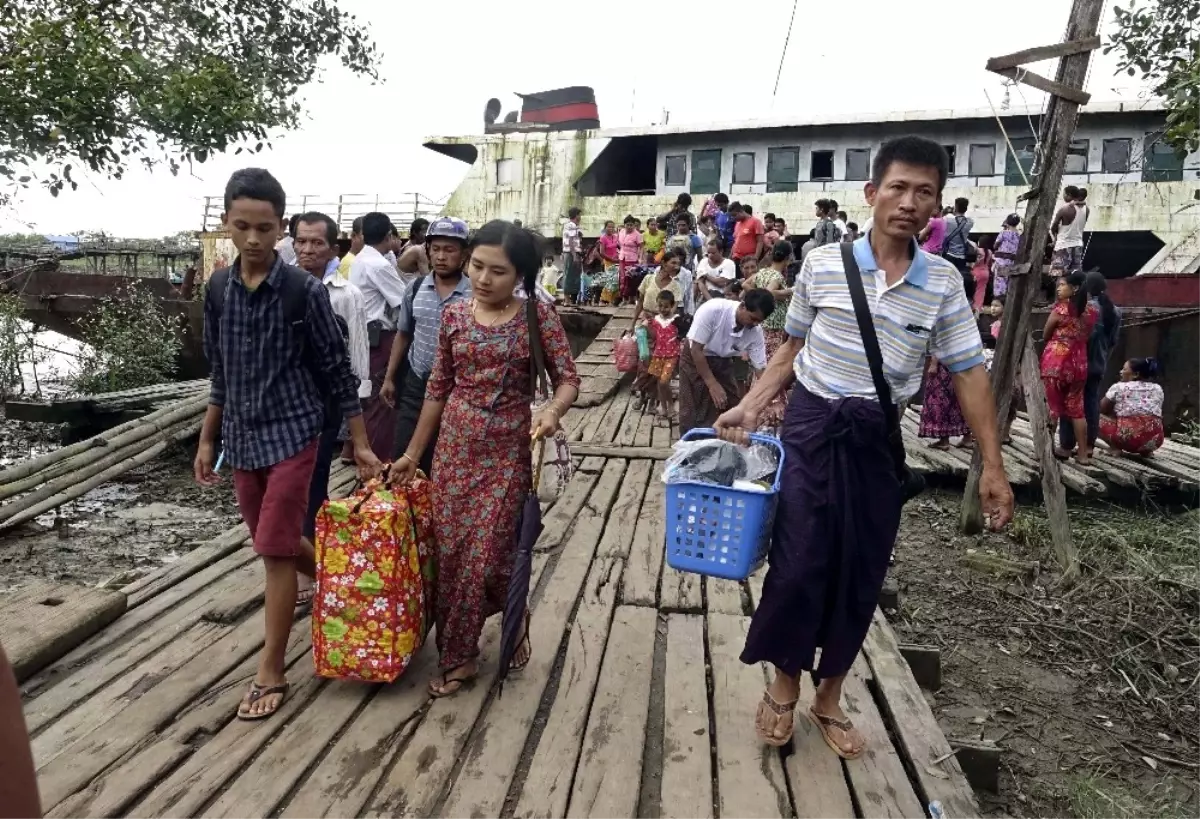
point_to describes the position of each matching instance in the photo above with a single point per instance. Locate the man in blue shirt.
(271, 339)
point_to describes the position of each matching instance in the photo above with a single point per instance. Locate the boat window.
(783, 170)
(981, 161)
(1077, 157)
(858, 164)
(676, 170)
(743, 169)
(506, 172)
(1021, 157)
(1114, 156)
(1162, 162)
(822, 166)
(952, 153)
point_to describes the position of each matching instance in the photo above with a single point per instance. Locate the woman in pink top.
(933, 236)
(629, 255)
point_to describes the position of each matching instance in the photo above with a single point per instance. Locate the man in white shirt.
(315, 241)
(383, 291)
(286, 246)
(721, 331)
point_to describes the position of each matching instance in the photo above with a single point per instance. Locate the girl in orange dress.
(1064, 360)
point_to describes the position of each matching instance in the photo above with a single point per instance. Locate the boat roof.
(1108, 107)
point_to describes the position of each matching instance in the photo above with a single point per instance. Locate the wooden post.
(1058, 126)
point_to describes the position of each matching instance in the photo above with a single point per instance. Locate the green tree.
(103, 84)
(1160, 40)
(130, 342)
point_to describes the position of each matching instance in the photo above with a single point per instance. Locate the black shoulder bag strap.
(866, 327)
(538, 382)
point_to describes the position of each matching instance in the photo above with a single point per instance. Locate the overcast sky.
(442, 61)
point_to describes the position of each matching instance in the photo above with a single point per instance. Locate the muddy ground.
(1090, 691)
(150, 516)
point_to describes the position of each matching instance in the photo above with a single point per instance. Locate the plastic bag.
(718, 462)
(625, 351)
(643, 342)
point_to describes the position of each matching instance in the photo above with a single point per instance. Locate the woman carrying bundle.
(479, 393)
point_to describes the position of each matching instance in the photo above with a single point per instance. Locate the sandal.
(440, 687)
(940, 445)
(776, 711)
(255, 693)
(824, 723)
(525, 642)
(304, 596)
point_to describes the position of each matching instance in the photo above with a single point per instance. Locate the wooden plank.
(43, 621)
(1041, 83)
(644, 566)
(645, 429)
(100, 708)
(193, 785)
(558, 522)
(750, 778)
(610, 764)
(620, 451)
(630, 424)
(660, 437)
(918, 736)
(110, 795)
(607, 429)
(495, 748)
(547, 785)
(1046, 52)
(71, 771)
(141, 590)
(816, 775)
(680, 590)
(880, 784)
(263, 784)
(119, 787)
(724, 596)
(591, 420)
(618, 532)
(687, 761)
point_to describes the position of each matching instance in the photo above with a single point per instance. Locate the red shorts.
(273, 502)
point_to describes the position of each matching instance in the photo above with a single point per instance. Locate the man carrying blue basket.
(861, 321)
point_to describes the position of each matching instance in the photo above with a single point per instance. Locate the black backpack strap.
(218, 283)
(866, 328)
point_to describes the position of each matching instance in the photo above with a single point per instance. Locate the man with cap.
(418, 324)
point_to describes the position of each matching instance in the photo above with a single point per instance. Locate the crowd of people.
(1081, 331)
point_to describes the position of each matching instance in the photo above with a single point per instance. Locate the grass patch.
(1093, 797)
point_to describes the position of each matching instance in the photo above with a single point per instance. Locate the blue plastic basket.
(717, 530)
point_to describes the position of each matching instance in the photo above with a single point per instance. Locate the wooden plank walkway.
(634, 703)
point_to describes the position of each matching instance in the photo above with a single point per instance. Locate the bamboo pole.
(117, 436)
(52, 488)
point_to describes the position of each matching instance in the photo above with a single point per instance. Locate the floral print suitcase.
(373, 604)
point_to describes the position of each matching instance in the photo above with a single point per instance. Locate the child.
(550, 276)
(666, 331)
(989, 352)
(267, 407)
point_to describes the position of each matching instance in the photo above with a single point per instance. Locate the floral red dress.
(482, 467)
(1064, 361)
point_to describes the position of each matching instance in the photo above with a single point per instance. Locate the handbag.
(561, 461)
(911, 483)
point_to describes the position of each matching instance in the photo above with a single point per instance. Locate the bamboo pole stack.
(48, 481)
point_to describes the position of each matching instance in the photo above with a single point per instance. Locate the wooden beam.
(1058, 127)
(1039, 53)
(1049, 86)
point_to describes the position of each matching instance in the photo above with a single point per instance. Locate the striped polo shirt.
(925, 312)
(426, 320)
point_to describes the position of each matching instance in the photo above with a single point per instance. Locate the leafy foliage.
(131, 343)
(105, 83)
(1160, 40)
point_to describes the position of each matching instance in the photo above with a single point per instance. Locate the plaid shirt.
(272, 405)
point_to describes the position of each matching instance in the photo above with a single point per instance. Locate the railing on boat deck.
(403, 208)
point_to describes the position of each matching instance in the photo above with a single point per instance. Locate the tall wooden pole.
(1058, 126)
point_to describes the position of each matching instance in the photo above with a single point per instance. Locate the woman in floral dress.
(480, 394)
(1132, 410)
(1064, 360)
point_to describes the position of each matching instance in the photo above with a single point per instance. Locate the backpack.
(294, 296)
